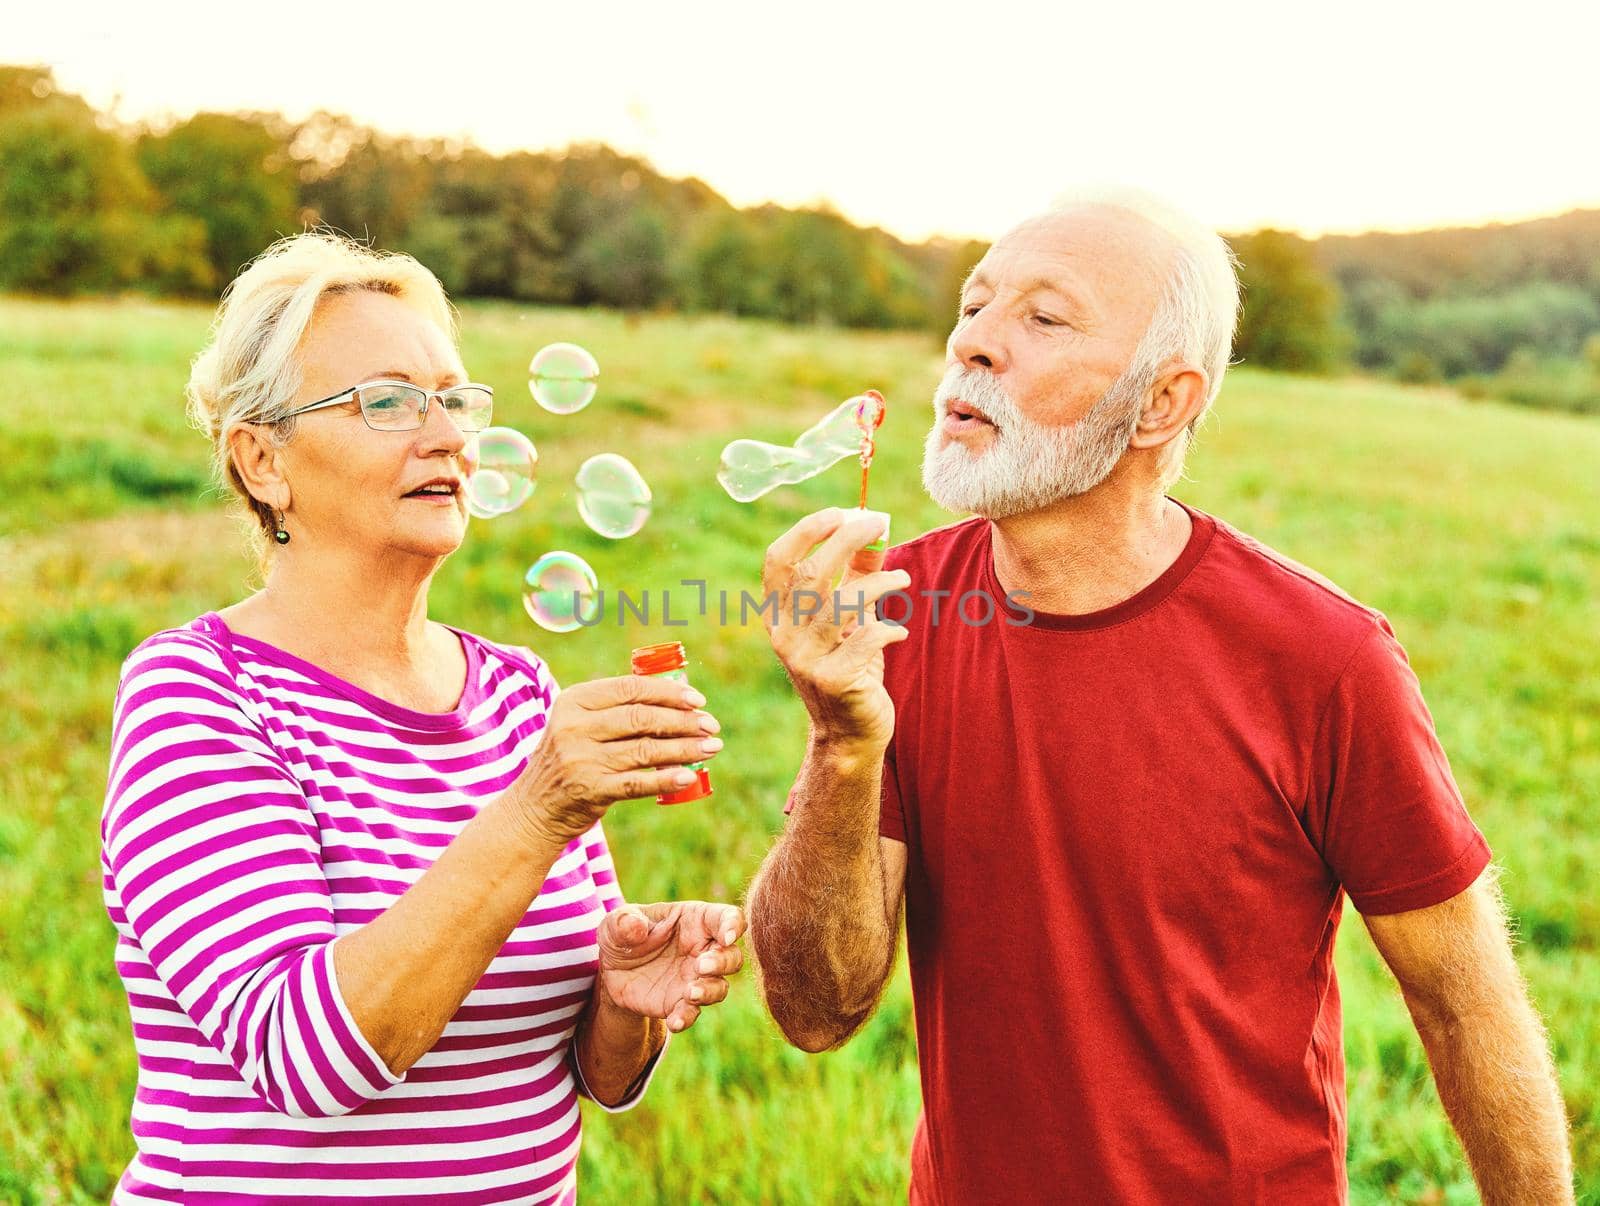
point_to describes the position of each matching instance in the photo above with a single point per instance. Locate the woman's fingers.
(656, 752)
(627, 721)
(638, 784)
(730, 925)
(601, 693)
(632, 927)
(683, 1016)
(708, 990)
(722, 961)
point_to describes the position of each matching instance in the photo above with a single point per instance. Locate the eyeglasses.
(400, 406)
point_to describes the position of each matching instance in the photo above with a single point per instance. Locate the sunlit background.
(749, 213)
(923, 118)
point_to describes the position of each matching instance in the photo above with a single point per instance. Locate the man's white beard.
(1027, 466)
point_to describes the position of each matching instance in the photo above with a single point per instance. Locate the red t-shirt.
(1130, 834)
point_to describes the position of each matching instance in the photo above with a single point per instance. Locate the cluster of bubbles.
(560, 589)
(750, 468)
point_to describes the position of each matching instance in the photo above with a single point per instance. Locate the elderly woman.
(372, 938)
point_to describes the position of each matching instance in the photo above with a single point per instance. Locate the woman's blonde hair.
(249, 372)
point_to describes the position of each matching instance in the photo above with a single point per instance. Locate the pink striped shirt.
(259, 807)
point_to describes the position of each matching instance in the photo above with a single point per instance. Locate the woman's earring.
(281, 536)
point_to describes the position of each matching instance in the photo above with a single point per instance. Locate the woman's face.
(351, 486)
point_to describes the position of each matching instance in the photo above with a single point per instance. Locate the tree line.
(86, 206)
(89, 205)
(1505, 310)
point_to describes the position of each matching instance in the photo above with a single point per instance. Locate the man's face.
(1034, 405)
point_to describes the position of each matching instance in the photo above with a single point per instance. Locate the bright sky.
(924, 117)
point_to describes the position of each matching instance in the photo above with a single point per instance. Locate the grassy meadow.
(1474, 526)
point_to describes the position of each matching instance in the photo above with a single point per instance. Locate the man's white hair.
(1194, 320)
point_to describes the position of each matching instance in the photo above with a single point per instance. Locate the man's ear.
(259, 464)
(1175, 401)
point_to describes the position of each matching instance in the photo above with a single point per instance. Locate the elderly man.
(1122, 763)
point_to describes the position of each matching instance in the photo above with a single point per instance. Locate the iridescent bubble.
(612, 498)
(563, 378)
(560, 592)
(750, 468)
(837, 435)
(507, 470)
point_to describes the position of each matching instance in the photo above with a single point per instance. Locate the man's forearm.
(614, 1047)
(1497, 1083)
(820, 925)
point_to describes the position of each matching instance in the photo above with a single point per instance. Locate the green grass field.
(1474, 526)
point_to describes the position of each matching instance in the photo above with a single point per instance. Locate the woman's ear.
(257, 460)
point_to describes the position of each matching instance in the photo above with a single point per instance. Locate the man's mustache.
(980, 392)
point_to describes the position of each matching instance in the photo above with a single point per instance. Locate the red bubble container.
(668, 660)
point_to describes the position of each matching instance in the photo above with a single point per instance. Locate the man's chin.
(961, 489)
(961, 477)
(956, 491)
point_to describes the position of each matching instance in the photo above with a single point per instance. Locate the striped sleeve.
(601, 869)
(604, 874)
(214, 853)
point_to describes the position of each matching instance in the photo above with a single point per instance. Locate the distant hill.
(1475, 301)
(1473, 260)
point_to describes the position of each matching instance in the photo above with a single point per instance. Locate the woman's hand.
(668, 960)
(612, 739)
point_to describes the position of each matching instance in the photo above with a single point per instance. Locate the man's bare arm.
(1485, 1042)
(825, 908)
(828, 901)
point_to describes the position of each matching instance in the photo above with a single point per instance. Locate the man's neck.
(1091, 551)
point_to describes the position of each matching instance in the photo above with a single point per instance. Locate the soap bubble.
(612, 498)
(507, 467)
(563, 378)
(838, 435)
(560, 592)
(750, 468)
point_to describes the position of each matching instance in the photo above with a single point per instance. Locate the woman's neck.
(343, 614)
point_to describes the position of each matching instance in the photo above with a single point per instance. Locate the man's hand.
(831, 642)
(825, 906)
(669, 960)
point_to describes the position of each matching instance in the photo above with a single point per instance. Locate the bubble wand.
(869, 415)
